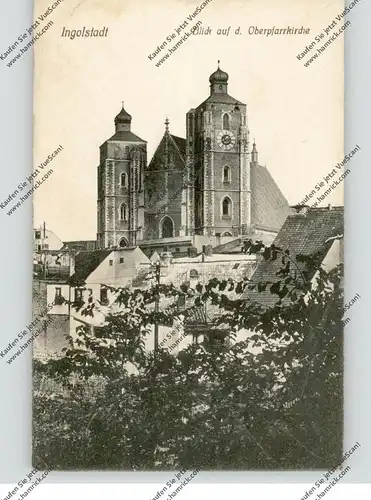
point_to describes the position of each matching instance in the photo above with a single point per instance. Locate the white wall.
(50, 293)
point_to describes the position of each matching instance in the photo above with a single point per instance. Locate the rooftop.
(269, 207)
(125, 135)
(308, 231)
(86, 262)
(221, 98)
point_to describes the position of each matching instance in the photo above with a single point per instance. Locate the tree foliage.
(272, 400)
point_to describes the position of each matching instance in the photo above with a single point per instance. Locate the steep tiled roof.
(125, 136)
(221, 98)
(222, 266)
(303, 234)
(86, 263)
(175, 144)
(269, 208)
(180, 142)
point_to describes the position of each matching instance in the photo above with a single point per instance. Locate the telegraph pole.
(43, 251)
(157, 302)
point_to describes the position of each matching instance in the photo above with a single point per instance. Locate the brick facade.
(208, 184)
(120, 204)
(217, 156)
(163, 186)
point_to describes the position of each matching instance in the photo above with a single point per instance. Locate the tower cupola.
(218, 82)
(123, 121)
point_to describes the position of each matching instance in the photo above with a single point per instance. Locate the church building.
(205, 189)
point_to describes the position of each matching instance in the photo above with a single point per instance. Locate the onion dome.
(123, 116)
(219, 76)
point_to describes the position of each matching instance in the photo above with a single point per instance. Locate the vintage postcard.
(188, 184)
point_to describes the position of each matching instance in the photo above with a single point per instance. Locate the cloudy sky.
(295, 113)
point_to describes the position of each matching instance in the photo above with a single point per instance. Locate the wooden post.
(157, 302)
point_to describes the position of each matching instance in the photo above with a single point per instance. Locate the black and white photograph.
(188, 237)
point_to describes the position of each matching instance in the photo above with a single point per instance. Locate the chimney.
(207, 250)
(301, 209)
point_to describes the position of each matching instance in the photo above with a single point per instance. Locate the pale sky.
(294, 113)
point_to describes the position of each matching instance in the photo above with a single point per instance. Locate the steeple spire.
(254, 154)
(167, 123)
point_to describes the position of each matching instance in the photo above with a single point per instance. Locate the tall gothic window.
(123, 212)
(227, 207)
(167, 228)
(226, 174)
(123, 179)
(226, 122)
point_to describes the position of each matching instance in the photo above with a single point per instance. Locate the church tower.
(218, 198)
(120, 205)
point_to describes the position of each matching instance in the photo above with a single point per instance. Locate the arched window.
(167, 228)
(226, 174)
(226, 122)
(193, 274)
(123, 212)
(227, 207)
(123, 243)
(123, 179)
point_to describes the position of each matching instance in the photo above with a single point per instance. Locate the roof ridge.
(326, 208)
(269, 206)
(178, 136)
(129, 135)
(180, 153)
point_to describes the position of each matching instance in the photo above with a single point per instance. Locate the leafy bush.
(213, 408)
